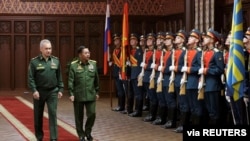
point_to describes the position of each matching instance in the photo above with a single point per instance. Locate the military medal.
(91, 67)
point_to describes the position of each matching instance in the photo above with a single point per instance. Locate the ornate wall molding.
(95, 7)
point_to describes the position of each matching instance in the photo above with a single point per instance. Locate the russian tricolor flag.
(107, 41)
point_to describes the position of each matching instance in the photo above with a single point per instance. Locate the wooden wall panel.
(5, 63)
(66, 54)
(34, 42)
(20, 64)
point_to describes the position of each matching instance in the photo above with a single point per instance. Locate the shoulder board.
(34, 57)
(183, 48)
(54, 57)
(198, 48)
(164, 50)
(216, 50)
(73, 62)
(137, 47)
(93, 61)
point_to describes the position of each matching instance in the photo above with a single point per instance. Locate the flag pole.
(110, 81)
(110, 89)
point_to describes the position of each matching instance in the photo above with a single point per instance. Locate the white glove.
(151, 77)
(171, 68)
(110, 63)
(128, 63)
(228, 99)
(120, 76)
(222, 78)
(246, 100)
(184, 69)
(142, 64)
(200, 86)
(182, 81)
(152, 66)
(201, 71)
(140, 75)
(160, 68)
(159, 80)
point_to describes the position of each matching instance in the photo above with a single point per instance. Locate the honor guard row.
(182, 76)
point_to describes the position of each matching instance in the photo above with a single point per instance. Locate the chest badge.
(91, 67)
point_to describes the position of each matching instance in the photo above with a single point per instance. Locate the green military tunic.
(83, 84)
(45, 77)
(83, 81)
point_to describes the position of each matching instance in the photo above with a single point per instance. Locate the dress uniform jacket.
(179, 62)
(213, 61)
(158, 62)
(194, 60)
(247, 69)
(116, 61)
(83, 81)
(135, 66)
(45, 75)
(148, 69)
(167, 62)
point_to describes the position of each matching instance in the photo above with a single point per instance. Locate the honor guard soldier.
(168, 81)
(230, 112)
(212, 70)
(162, 106)
(117, 64)
(136, 56)
(143, 46)
(147, 77)
(179, 53)
(194, 56)
(246, 42)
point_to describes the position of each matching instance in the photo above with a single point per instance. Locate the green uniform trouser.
(79, 115)
(51, 99)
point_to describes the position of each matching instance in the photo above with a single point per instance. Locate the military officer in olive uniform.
(83, 85)
(45, 82)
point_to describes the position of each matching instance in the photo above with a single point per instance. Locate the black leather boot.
(171, 123)
(152, 114)
(184, 120)
(138, 109)
(146, 106)
(121, 105)
(161, 119)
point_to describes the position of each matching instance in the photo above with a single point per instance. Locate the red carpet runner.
(25, 115)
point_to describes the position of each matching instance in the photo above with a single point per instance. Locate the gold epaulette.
(198, 48)
(73, 62)
(54, 57)
(92, 61)
(216, 50)
(34, 57)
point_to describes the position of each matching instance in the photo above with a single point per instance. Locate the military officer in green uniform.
(83, 85)
(45, 82)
